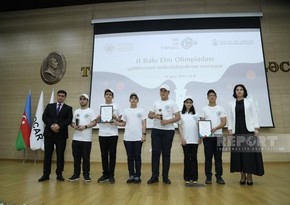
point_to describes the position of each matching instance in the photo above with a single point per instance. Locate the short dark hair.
(62, 91)
(244, 88)
(211, 91)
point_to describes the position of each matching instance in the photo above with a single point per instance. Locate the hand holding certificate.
(204, 128)
(106, 114)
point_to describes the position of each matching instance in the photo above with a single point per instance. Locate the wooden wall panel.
(27, 37)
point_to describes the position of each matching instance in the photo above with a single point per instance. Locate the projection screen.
(191, 54)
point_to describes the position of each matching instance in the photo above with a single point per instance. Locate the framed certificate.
(204, 128)
(106, 114)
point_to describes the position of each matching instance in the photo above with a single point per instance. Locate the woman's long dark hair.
(191, 110)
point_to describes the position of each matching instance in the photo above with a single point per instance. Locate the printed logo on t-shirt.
(167, 107)
(138, 115)
(218, 113)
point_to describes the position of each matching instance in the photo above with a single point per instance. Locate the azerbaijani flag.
(22, 141)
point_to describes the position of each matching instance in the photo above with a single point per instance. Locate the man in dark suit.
(57, 117)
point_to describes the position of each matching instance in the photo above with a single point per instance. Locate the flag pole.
(24, 154)
(35, 156)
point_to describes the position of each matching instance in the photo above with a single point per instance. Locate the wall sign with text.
(275, 67)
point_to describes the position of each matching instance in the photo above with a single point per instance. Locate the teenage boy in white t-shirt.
(213, 145)
(82, 122)
(164, 112)
(108, 139)
(134, 120)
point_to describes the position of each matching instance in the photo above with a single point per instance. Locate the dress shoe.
(152, 180)
(249, 182)
(60, 178)
(242, 182)
(166, 181)
(220, 180)
(208, 181)
(43, 178)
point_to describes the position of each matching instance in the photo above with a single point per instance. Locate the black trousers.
(60, 145)
(213, 148)
(133, 149)
(108, 146)
(161, 142)
(190, 162)
(81, 151)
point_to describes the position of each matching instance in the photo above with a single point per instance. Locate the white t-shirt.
(108, 129)
(167, 109)
(86, 116)
(189, 127)
(133, 118)
(214, 114)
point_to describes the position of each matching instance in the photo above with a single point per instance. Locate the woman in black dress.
(243, 125)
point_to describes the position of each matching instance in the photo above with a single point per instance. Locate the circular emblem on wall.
(53, 68)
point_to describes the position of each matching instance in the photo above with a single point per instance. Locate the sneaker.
(208, 181)
(137, 180)
(103, 179)
(187, 182)
(152, 180)
(166, 181)
(194, 182)
(130, 180)
(73, 178)
(87, 178)
(220, 181)
(112, 180)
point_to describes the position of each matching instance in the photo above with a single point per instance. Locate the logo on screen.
(188, 43)
(109, 48)
(215, 42)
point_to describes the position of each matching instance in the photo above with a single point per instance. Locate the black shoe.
(152, 180)
(130, 180)
(112, 180)
(220, 181)
(166, 181)
(250, 182)
(103, 179)
(60, 178)
(137, 180)
(43, 178)
(87, 178)
(208, 181)
(242, 182)
(73, 178)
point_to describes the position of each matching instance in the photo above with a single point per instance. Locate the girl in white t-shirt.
(188, 131)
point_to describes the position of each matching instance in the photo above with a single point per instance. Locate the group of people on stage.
(241, 120)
